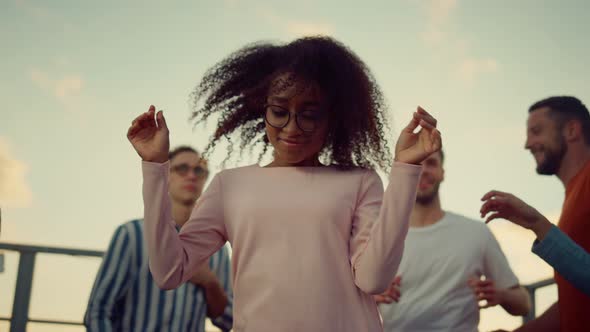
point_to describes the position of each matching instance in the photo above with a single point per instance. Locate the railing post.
(22, 294)
(532, 313)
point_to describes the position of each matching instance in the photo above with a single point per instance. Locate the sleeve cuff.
(405, 169)
(544, 247)
(151, 168)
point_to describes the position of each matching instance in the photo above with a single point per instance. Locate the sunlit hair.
(236, 89)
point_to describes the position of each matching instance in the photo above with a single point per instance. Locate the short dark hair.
(566, 108)
(180, 149)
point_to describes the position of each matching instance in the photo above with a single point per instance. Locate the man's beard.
(552, 158)
(427, 198)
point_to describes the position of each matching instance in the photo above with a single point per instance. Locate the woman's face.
(296, 121)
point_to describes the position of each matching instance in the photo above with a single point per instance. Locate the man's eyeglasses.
(183, 169)
(279, 117)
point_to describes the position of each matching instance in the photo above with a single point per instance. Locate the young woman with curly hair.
(313, 233)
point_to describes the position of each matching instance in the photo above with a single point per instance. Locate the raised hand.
(507, 206)
(149, 136)
(413, 148)
(392, 294)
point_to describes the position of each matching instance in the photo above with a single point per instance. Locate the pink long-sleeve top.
(310, 244)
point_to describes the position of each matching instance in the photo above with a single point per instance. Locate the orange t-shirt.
(574, 306)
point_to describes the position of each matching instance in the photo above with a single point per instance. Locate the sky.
(75, 74)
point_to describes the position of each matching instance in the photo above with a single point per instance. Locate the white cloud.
(469, 68)
(14, 190)
(439, 12)
(66, 89)
(436, 35)
(68, 86)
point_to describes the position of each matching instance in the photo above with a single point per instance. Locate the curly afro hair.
(237, 87)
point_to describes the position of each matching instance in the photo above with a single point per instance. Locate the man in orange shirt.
(558, 136)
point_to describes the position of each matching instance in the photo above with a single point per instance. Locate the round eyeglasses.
(279, 117)
(183, 170)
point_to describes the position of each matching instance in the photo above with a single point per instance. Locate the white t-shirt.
(437, 262)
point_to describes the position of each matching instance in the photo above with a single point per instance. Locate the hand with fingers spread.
(149, 136)
(392, 294)
(507, 206)
(413, 148)
(485, 290)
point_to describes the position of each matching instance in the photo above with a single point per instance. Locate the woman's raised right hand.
(149, 136)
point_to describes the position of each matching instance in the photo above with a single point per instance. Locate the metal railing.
(24, 282)
(26, 268)
(532, 289)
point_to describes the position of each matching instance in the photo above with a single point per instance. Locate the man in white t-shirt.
(440, 281)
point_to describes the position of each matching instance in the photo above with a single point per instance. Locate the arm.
(213, 278)
(224, 320)
(569, 259)
(515, 300)
(380, 225)
(175, 257)
(501, 282)
(216, 299)
(566, 257)
(214, 294)
(112, 282)
(547, 322)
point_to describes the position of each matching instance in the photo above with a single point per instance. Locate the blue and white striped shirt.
(126, 298)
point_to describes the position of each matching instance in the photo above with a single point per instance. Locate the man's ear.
(572, 131)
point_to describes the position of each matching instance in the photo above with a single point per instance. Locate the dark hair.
(566, 108)
(236, 89)
(180, 149)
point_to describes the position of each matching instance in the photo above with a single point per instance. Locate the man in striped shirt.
(126, 298)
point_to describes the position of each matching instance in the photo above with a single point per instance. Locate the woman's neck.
(311, 162)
